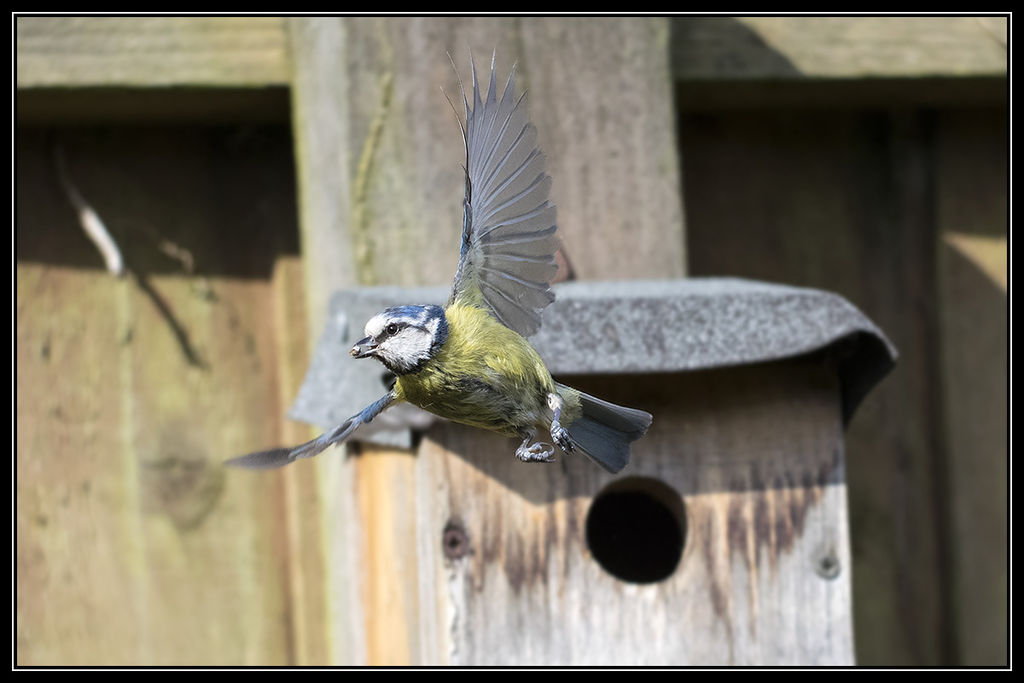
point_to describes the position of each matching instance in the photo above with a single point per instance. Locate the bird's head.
(403, 338)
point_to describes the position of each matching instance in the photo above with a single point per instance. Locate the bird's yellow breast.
(485, 375)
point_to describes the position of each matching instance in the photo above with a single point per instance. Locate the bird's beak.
(363, 348)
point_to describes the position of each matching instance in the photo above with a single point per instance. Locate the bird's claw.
(538, 452)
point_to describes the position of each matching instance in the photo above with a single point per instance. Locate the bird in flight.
(470, 361)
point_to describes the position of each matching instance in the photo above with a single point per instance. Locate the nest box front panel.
(724, 542)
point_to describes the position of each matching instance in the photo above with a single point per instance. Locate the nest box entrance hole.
(636, 529)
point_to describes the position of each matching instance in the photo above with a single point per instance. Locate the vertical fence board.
(971, 172)
(135, 546)
(379, 158)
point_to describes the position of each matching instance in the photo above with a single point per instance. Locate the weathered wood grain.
(150, 51)
(799, 198)
(739, 48)
(248, 51)
(755, 453)
(135, 546)
(601, 97)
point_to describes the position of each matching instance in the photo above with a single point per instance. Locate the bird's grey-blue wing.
(508, 229)
(279, 457)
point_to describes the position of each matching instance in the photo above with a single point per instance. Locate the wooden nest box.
(726, 539)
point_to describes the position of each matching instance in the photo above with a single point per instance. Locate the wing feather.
(508, 227)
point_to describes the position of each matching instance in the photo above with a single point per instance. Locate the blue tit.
(470, 361)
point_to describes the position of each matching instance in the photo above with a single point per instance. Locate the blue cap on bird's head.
(403, 338)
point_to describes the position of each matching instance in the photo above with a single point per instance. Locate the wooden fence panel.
(135, 546)
(856, 202)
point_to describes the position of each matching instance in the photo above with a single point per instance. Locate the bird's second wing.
(279, 457)
(508, 228)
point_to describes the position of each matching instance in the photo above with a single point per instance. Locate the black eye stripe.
(391, 329)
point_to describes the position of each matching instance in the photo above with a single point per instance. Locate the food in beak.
(363, 348)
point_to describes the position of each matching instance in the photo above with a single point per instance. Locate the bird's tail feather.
(605, 431)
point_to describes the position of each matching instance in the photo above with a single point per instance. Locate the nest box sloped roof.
(627, 327)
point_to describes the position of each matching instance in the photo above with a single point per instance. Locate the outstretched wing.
(279, 457)
(508, 227)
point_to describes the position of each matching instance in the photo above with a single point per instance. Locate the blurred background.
(865, 156)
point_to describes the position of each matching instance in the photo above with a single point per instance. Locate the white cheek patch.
(405, 351)
(408, 346)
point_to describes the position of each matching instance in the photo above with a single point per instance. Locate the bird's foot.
(538, 452)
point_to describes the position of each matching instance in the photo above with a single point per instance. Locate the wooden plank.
(135, 546)
(840, 200)
(380, 204)
(251, 51)
(756, 455)
(322, 158)
(150, 51)
(323, 163)
(601, 98)
(304, 554)
(794, 48)
(390, 567)
(972, 226)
